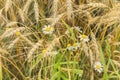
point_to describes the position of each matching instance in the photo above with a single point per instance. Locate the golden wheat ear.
(26, 6)
(36, 8)
(55, 8)
(33, 49)
(8, 5)
(69, 9)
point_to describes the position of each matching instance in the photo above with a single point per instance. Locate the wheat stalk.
(3, 51)
(13, 43)
(1, 68)
(11, 23)
(85, 49)
(1, 12)
(91, 62)
(94, 47)
(55, 20)
(69, 9)
(26, 39)
(55, 8)
(1, 22)
(26, 7)
(21, 13)
(32, 51)
(117, 63)
(8, 5)
(97, 5)
(52, 44)
(12, 31)
(36, 8)
(2, 18)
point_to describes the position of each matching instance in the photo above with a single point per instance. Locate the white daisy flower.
(84, 38)
(73, 47)
(54, 53)
(48, 29)
(78, 29)
(98, 67)
(76, 46)
(69, 47)
(67, 32)
(45, 52)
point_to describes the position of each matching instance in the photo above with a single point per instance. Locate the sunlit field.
(59, 39)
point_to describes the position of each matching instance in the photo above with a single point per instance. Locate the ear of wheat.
(32, 51)
(12, 31)
(11, 24)
(95, 48)
(22, 15)
(8, 5)
(36, 8)
(13, 43)
(55, 8)
(69, 9)
(26, 7)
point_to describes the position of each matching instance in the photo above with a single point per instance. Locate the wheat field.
(59, 39)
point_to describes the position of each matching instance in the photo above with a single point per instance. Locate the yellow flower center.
(84, 36)
(7, 29)
(75, 45)
(44, 51)
(48, 29)
(18, 33)
(98, 66)
(68, 45)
